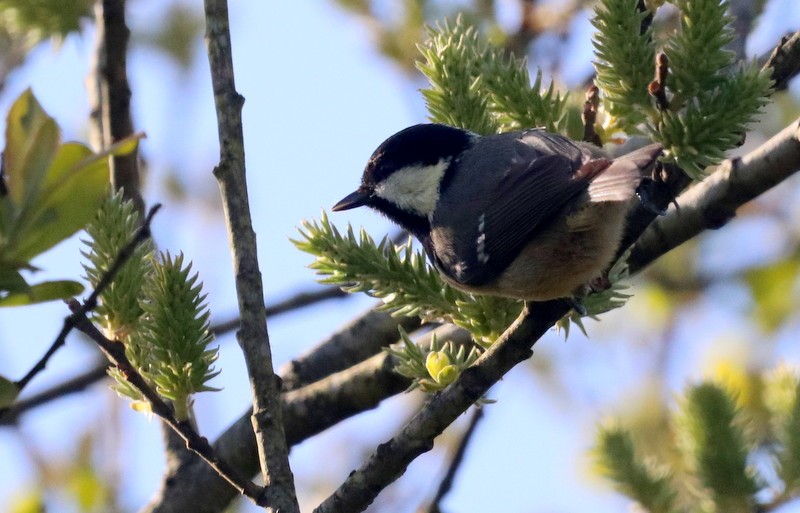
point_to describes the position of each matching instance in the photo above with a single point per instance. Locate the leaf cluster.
(154, 306)
(434, 369)
(707, 100)
(39, 19)
(477, 86)
(720, 437)
(48, 191)
(399, 276)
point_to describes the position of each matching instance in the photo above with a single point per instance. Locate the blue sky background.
(317, 104)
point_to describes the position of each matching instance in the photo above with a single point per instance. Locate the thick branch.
(357, 341)
(713, 202)
(392, 458)
(111, 96)
(279, 492)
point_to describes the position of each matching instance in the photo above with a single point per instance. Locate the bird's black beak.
(353, 200)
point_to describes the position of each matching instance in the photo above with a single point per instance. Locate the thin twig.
(73, 385)
(784, 61)
(458, 458)
(299, 300)
(194, 442)
(279, 492)
(589, 116)
(658, 87)
(91, 302)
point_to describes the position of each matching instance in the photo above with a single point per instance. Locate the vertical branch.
(110, 96)
(279, 494)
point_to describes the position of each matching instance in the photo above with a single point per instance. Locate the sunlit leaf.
(31, 144)
(71, 193)
(47, 291)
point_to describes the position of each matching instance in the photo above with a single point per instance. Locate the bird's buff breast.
(557, 263)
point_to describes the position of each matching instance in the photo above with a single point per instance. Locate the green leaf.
(46, 291)
(8, 392)
(73, 190)
(53, 190)
(11, 281)
(31, 144)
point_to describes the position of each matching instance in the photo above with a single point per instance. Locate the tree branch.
(455, 463)
(306, 411)
(10, 416)
(357, 341)
(110, 95)
(785, 61)
(713, 202)
(392, 458)
(279, 492)
(194, 442)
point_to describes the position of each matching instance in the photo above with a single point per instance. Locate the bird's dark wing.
(534, 188)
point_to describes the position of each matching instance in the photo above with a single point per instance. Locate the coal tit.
(529, 215)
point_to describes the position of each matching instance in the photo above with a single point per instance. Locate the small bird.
(529, 215)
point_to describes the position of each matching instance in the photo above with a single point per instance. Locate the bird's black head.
(403, 176)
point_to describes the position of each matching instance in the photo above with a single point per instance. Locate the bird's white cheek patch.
(414, 188)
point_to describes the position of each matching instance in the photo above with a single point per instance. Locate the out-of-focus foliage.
(8, 392)
(180, 28)
(76, 481)
(721, 437)
(774, 291)
(398, 30)
(35, 20)
(50, 190)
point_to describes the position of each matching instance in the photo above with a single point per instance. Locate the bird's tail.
(618, 181)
